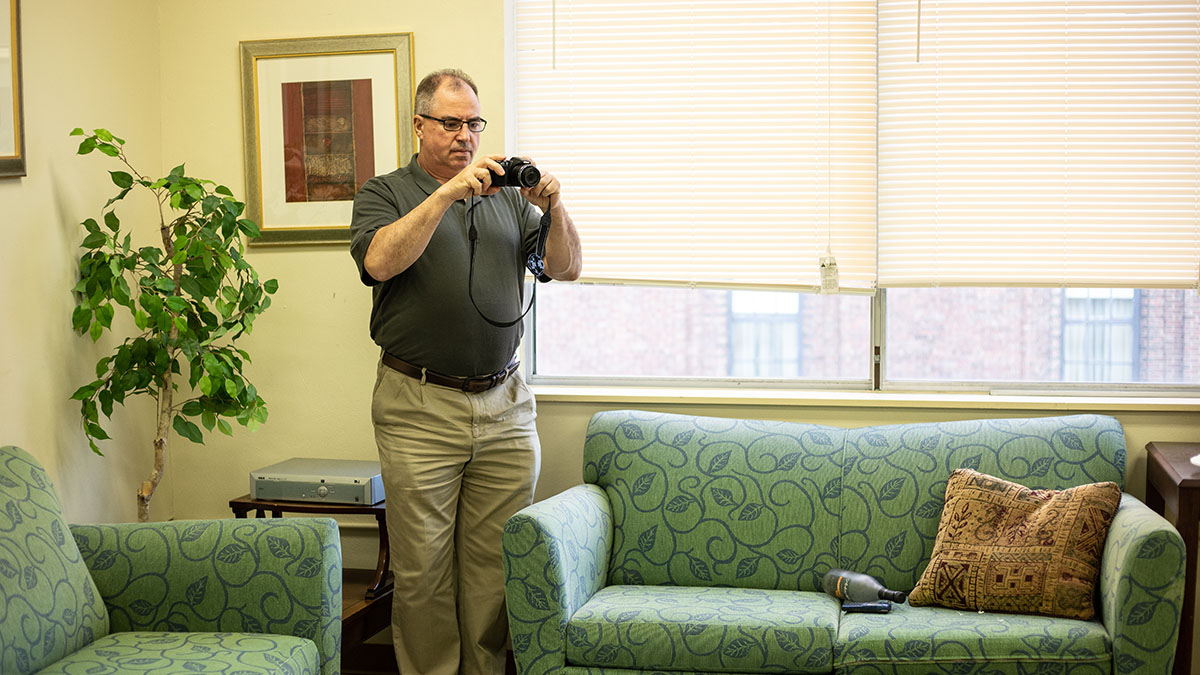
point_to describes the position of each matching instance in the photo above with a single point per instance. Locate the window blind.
(1039, 143)
(705, 143)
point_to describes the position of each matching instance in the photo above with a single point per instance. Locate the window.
(982, 173)
(764, 334)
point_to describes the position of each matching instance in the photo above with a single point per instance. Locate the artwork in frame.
(321, 116)
(12, 126)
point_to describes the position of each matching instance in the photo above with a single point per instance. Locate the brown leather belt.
(471, 385)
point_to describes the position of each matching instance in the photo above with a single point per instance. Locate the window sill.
(607, 395)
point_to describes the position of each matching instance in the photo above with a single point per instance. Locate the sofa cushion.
(49, 606)
(702, 501)
(895, 479)
(921, 640)
(190, 653)
(1001, 546)
(704, 629)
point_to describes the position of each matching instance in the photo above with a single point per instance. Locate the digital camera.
(518, 172)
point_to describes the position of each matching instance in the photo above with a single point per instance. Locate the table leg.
(383, 562)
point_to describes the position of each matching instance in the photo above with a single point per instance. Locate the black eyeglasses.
(474, 125)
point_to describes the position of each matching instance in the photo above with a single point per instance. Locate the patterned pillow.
(1004, 547)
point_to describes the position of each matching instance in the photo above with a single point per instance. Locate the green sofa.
(698, 544)
(209, 596)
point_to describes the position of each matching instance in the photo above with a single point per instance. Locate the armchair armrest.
(1141, 588)
(555, 558)
(271, 575)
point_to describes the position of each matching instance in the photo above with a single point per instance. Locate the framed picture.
(321, 116)
(12, 126)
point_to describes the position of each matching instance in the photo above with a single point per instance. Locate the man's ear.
(418, 125)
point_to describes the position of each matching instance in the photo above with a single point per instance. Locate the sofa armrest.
(270, 575)
(555, 558)
(1141, 588)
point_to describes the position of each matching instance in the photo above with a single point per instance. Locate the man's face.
(445, 153)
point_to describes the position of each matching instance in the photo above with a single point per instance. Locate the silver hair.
(451, 77)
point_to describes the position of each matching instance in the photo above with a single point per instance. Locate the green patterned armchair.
(236, 597)
(698, 544)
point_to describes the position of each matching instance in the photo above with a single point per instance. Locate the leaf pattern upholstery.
(706, 501)
(695, 510)
(187, 653)
(250, 593)
(252, 575)
(49, 605)
(895, 479)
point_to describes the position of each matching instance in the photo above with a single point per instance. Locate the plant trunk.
(162, 430)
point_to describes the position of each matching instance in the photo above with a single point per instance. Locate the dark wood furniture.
(366, 594)
(1173, 482)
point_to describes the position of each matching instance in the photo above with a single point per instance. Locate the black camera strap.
(535, 263)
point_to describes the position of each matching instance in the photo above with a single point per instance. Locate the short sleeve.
(374, 207)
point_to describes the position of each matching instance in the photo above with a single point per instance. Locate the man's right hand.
(475, 180)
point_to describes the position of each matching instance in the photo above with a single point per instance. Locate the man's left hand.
(539, 195)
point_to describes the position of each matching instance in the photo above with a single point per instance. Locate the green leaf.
(111, 220)
(249, 227)
(271, 286)
(121, 179)
(96, 431)
(109, 150)
(94, 240)
(224, 427)
(87, 146)
(91, 225)
(206, 385)
(177, 304)
(208, 419)
(96, 330)
(222, 190)
(104, 314)
(187, 429)
(77, 131)
(177, 172)
(80, 318)
(85, 391)
(194, 191)
(104, 135)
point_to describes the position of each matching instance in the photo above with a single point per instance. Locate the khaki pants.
(455, 467)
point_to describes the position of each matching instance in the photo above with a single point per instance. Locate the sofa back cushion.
(895, 478)
(703, 501)
(49, 605)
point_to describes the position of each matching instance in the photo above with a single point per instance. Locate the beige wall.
(166, 76)
(88, 65)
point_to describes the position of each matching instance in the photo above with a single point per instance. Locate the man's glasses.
(474, 125)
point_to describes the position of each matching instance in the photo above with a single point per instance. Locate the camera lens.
(527, 176)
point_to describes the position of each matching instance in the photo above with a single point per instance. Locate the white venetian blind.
(1039, 143)
(706, 143)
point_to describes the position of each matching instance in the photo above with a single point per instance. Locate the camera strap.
(535, 263)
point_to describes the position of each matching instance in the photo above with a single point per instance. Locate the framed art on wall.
(321, 116)
(12, 127)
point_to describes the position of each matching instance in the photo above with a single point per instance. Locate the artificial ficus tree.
(190, 300)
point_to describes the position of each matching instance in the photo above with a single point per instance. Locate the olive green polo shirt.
(424, 314)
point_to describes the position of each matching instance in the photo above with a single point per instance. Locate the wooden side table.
(1172, 480)
(366, 594)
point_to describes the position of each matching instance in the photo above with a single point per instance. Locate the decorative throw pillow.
(1004, 547)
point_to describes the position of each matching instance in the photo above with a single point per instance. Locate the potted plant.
(190, 300)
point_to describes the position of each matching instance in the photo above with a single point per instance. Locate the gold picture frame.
(12, 123)
(320, 116)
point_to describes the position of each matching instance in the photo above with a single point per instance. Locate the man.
(453, 417)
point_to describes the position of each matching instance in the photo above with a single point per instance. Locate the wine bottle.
(858, 587)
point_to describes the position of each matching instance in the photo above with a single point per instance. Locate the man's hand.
(539, 195)
(475, 180)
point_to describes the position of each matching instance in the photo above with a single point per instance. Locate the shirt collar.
(427, 183)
